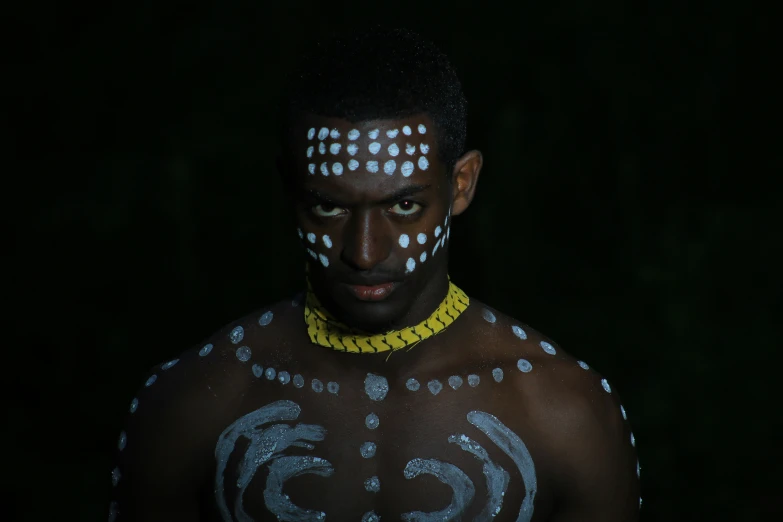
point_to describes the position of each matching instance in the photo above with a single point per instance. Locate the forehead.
(373, 156)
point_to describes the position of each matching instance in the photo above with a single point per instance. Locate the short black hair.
(382, 73)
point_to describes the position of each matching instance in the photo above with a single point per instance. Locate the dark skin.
(585, 466)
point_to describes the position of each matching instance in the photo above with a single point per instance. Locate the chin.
(370, 316)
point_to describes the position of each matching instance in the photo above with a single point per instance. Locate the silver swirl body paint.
(497, 477)
(510, 443)
(376, 387)
(284, 468)
(461, 486)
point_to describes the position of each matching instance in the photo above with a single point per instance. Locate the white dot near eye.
(404, 240)
(423, 257)
(423, 163)
(324, 260)
(322, 148)
(422, 129)
(323, 133)
(311, 134)
(334, 134)
(324, 169)
(375, 147)
(311, 237)
(312, 254)
(437, 231)
(310, 150)
(353, 164)
(373, 134)
(389, 167)
(410, 265)
(421, 238)
(299, 231)
(353, 134)
(334, 148)
(372, 166)
(392, 133)
(311, 168)
(405, 130)
(407, 168)
(424, 148)
(352, 149)
(327, 241)
(393, 149)
(337, 168)
(410, 150)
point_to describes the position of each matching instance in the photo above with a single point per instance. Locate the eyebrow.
(404, 192)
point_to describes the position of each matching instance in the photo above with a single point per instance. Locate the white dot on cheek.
(424, 148)
(407, 169)
(323, 133)
(389, 167)
(392, 133)
(410, 150)
(323, 259)
(327, 241)
(311, 237)
(334, 134)
(324, 169)
(337, 168)
(423, 163)
(374, 147)
(404, 240)
(423, 257)
(410, 265)
(334, 148)
(405, 130)
(372, 166)
(353, 164)
(421, 238)
(311, 168)
(310, 150)
(422, 129)
(310, 134)
(321, 148)
(437, 231)
(393, 149)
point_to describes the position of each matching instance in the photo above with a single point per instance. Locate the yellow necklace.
(326, 331)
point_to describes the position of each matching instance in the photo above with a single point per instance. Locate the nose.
(366, 243)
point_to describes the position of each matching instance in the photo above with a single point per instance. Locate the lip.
(377, 292)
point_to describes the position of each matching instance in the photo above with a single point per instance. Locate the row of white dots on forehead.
(354, 134)
(372, 166)
(374, 148)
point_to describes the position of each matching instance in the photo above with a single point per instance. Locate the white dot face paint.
(423, 257)
(424, 148)
(372, 166)
(236, 335)
(323, 133)
(473, 380)
(410, 265)
(373, 134)
(311, 237)
(299, 231)
(421, 238)
(169, 364)
(337, 169)
(374, 147)
(488, 316)
(327, 241)
(270, 374)
(392, 133)
(310, 151)
(205, 350)
(434, 386)
(333, 388)
(405, 130)
(372, 421)
(311, 168)
(633, 440)
(367, 450)
(437, 245)
(422, 129)
(389, 167)
(298, 381)
(122, 441)
(393, 149)
(258, 371)
(371, 516)
(622, 410)
(423, 163)
(334, 148)
(243, 353)
(317, 386)
(321, 148)
(334, 134)
(372, 485)
(353, 164)
(324, 169)
(524, 365)
(638, 470)
(115, 477)
(437, 231)
(354, 134)
(407, 169)
(114, 512)
(376, 387)
(284, 377)
(548, 348)
(605, 385)
(312, 254)
(497, 374)
(455, 381)
(404, 240)
(412, 384)
(324, 260)
(151, 381)
(266, 318)
(410, 150)
(352, 149)
(519, 332)
(134, 405)
(310, 134)
(583, 365)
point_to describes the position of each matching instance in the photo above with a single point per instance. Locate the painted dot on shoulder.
(393, 149)
(406, 130)
(134, 405)
(412, 384)
(423, 257)
(354, 134)
(334, 134)
(424, 148)
(323, 133)
(392, 133)
(423, 163)
(243, 353)
(205, 350)
(372, 485)
(434, 386)
(455, 381)
(524, 365)
(548, 348)
(372, 421)
(337, 169)
(376, 387)
(322, 148)
(333, 388)
(371, 516)
(473, 380)
(258, 370)
(404, 240)
(334, 148)
(310, 151)
(236, 335)
(115, 477)
(605, 385)
(284, 377)
(317, 386)
(410, 150)
(311, 134)
(421, 238)
(422, 129)
(438, 230)
(169, 364)
(311, 168)
(372, 166)
(122, 441)
(367, 450)
(353, 164)
(583, 365)
(151, 380)
(266, 318)
(373, 134)
(488, 316)
(519, 332)
(497, 374)
(298, 381)
(633, 440)
(374, 147)
(389, 167)
(410, 265)
(622, 411)
(270, 373)
(324, 169)
(324, 260)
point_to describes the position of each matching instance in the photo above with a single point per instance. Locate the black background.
(627, 209)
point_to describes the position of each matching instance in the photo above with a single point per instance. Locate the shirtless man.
(382, 392)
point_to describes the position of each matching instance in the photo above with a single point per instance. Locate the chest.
(402, 449)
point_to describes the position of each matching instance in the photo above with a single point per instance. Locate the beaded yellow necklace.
(325, 330)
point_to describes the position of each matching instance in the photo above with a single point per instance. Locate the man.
(383, 391)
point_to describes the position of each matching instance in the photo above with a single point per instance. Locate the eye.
(327, 210)
(406, 208)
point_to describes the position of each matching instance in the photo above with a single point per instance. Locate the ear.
(464, 180)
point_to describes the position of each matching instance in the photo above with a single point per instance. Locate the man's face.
(372, 202)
